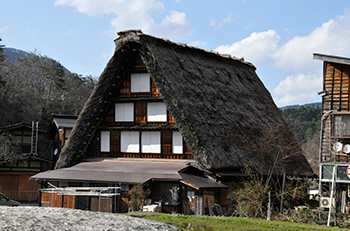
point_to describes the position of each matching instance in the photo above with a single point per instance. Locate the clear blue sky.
(277, 36)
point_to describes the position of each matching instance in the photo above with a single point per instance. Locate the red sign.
(348, 171)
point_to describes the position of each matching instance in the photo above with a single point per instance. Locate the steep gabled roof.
(60, 121)
(219, 104)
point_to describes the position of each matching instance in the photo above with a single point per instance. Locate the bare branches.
(36, 86)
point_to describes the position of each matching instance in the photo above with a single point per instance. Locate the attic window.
(156, 112)
(124, 112)
(130, 142)
(177, 143)
(150, 142)
(105, 141)
(341, 125)
(140, 82)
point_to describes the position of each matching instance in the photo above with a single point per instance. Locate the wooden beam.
(188, 184)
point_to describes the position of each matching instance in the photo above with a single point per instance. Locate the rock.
(39, 218)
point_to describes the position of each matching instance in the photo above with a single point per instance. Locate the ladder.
(35, 136)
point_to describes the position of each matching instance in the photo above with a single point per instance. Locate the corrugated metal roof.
(332, 58)
(123, 170)
(200, 182)
(65, 122)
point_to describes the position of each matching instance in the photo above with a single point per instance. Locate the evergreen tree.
(304, 121)
(2, 58)
(1, 52)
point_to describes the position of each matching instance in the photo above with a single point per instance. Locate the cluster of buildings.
(182, 122)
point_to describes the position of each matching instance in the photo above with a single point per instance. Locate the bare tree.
(277, 151)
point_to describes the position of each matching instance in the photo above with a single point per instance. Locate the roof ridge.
(138, 32)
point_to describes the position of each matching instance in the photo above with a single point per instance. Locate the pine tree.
(2, 58)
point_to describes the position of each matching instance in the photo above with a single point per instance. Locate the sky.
(278, 36)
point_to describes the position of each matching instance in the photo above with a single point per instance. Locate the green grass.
(225, 223)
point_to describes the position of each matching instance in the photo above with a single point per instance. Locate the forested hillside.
(33, 86)
(305, 122)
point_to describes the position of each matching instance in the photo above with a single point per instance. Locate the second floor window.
(341, 125)
(124, 112)
(156, 112)
(177, 143)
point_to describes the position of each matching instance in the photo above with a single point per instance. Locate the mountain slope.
(36, 86)
(12, 54)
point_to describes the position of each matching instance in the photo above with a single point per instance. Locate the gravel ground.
(39, 218)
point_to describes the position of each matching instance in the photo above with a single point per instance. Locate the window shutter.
(156, 112)
(177, 143)
(124, 112)
(129, 142)
(150, 142)
(105, 141)
(140, 82)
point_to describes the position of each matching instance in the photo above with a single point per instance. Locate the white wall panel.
(130, 142)
(140, 82)
(177, 143)
(105, 141)
(156, 112)
(124, 112)
(150, 142)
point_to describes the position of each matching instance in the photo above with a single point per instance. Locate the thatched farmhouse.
(335, 133)
(179, 120)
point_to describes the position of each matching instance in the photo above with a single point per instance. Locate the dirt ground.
(39, 218)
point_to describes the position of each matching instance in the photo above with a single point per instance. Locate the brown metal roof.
(198, 182)
(117, 170)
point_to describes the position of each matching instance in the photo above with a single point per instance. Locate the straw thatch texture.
(219, 104)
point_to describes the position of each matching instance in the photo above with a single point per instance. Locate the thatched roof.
(218, 102)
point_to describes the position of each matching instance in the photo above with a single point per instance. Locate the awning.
(198, 182)
(117, 170)
(65, 122)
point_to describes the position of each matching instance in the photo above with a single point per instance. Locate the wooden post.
(211, 213)
(283, 183)
(269, 208)
(331, 198)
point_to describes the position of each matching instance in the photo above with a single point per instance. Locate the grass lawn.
(225, 223)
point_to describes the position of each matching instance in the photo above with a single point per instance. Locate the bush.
(137, 197)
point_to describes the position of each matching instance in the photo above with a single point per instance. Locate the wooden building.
(335, 132)
(58, 133)
(22, 155)
(179, 120)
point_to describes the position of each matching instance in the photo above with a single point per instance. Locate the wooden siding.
(337, 85)
(49, 199)
(140, 113)
(166, 148)
(17, 186)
